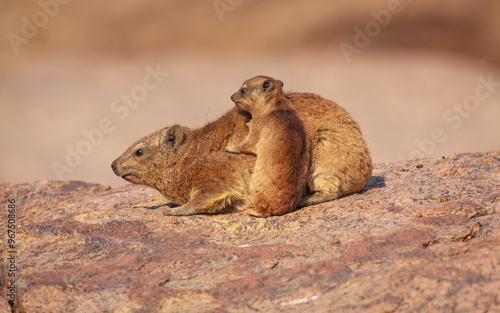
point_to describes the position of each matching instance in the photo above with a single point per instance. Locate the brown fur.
(192, 168)
(278, 137)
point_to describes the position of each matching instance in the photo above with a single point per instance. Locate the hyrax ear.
(268, 85)
(279, 82)
(174, 137)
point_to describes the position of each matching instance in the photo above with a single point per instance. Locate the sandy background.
(415, 85)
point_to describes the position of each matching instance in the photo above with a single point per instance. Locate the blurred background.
(80, 81)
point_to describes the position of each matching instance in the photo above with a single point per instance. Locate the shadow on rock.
(375, 182)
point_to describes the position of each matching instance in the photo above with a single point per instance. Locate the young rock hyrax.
(279, 140)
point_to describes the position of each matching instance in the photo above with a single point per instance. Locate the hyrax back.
(192, 168)
(279, 139)
(340, 160)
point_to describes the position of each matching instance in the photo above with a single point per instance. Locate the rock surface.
(423, 237)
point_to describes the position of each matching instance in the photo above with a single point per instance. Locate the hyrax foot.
(208, 203)
(182, 210)
(241, 148)
(254, 212)
(317, 198)
(232, 149)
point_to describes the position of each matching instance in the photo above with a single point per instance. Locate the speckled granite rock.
(423, 237)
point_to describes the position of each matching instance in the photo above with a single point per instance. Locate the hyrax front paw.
(182, 210)
(254, 212)
(232, 149)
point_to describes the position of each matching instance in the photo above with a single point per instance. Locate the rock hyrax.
(191, 167)
(279, 140)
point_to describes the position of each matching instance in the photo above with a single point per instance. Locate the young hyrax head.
(259, 87)
(140, 163)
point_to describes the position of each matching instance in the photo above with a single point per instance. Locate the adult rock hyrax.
(279, 140)
(192, 168)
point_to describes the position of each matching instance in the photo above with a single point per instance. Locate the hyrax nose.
(113, 165)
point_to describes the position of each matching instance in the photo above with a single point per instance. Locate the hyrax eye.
(266, 84)
(139, 152)
(242, 91)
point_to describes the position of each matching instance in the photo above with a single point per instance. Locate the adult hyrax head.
(257, 90)
(141, 163)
